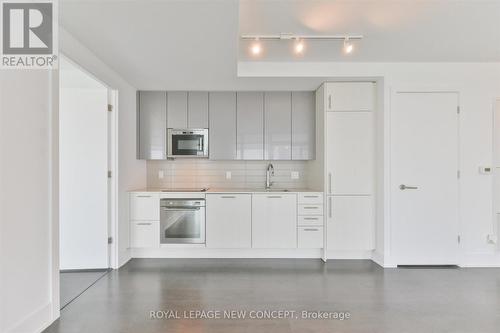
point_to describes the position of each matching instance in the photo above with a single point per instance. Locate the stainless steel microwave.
(187, 142)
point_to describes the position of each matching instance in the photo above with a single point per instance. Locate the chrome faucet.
(269, 173)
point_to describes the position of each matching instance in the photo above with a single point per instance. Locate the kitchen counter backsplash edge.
(228, 190)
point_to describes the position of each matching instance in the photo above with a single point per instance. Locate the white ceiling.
(395, 31)
(194, 44)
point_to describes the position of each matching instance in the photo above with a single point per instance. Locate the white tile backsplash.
(192, 173)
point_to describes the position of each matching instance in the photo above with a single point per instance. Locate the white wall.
(478, 85)
(26, 201)
(131, 172)
(83, 165)
(29, 280)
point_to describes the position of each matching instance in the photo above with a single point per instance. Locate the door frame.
(495, 219)
(113, 261)
(388, 147)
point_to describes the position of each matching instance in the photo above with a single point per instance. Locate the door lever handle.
(404, 187)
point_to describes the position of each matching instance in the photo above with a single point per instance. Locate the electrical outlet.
(294, 175)
(485, 170)
(161, 174)
(491, 239)
(228, 175)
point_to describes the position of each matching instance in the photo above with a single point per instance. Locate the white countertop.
(231, 190)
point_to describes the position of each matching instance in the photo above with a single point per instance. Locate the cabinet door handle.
(275, 196)
(228, 197)
(311, 229)
(311, 207)
(329, 102)
(330, 207)
(330, 183)
(144, 223)
(143, 196)
(311, 218)
(311, 196)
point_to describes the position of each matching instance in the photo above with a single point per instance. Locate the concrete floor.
(72, 284)
(378, 300)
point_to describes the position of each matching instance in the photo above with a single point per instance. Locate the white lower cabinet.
(306, 198)
(144, 234)
(310, 221)
(274, 221)
(311, 209)
(240, 220)
(310, 237)
(229, 221)
(350, 223)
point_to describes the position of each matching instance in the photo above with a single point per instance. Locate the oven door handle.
(180, 209)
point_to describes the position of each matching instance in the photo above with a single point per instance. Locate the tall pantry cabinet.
(349, 167)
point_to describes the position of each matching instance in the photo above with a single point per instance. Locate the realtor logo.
(29, 34)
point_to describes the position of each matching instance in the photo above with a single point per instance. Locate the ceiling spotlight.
(299, 46)
(256, 48)
(348, 46)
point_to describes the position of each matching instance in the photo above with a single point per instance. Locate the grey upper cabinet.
(222, 134)
(250, 126)
(151, 125)
(303, 125)
(197, 114)
(242, 125)
(177, 109)
(278, 126)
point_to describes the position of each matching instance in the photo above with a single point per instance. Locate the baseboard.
(123, 258)
(347, 255)
(225, 253)
(36, 321)
(481, 259)
(84, 270)
(378, 258)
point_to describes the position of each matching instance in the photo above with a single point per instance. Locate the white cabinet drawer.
(310, 209)
(310, 220)
(310, 198)
(145, 234)
(310, 237)
(144, 206)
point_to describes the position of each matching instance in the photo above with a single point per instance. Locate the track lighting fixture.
(348, 47)
(256, 48)
(299, 40)
(299, 46)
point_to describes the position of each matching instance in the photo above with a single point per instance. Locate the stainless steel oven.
(182, 221)
(187, 142)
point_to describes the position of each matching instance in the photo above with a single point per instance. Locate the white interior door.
(424, 178)
(83, 156)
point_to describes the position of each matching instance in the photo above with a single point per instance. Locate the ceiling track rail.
(286, 36)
